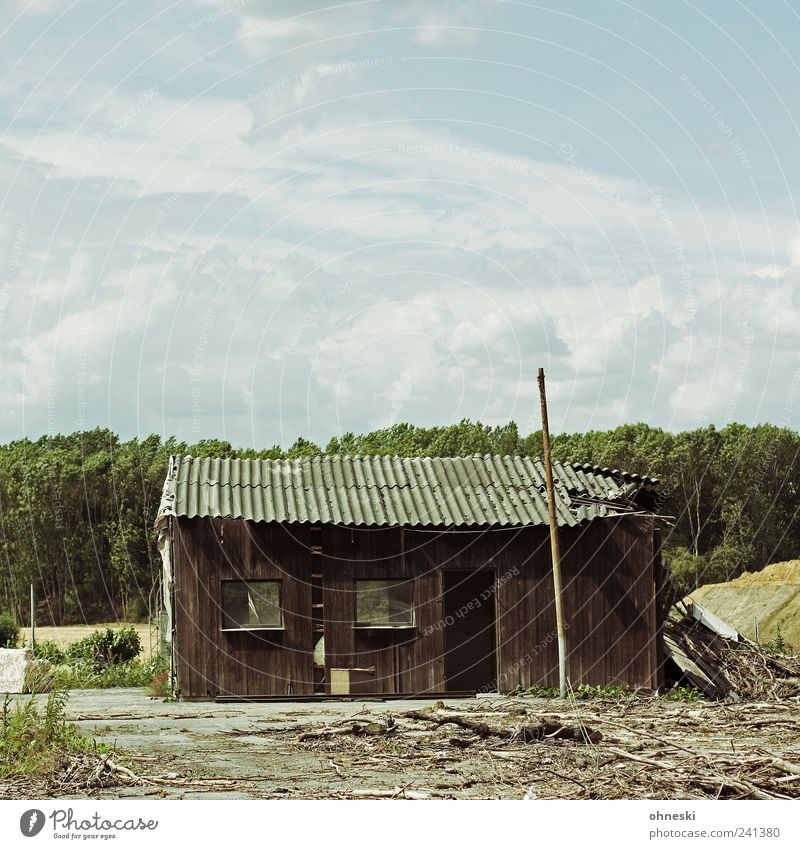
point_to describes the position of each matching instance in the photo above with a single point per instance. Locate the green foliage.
(49, 651)
(723, 563)
(82, 675)
(611, 691)
(303, 448)
(689, 571)
(89, 499)
(729, 559)
(138, 611)
(105, 648)
(779, 644)
(684, 694)
(32, 741)
(106, 658)
(159, 685)
(213, 448)
(9, 632)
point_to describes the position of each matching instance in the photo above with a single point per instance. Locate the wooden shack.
(384, 575)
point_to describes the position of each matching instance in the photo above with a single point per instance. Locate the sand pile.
(787, 572)
(770, 598)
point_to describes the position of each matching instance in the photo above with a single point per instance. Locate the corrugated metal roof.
(384, 490)
(604, 471)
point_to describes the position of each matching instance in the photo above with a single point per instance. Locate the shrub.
(9, 632)
(721, 564)
(66, 677)
(127, 645)
(48, 650)
(105, 648)
(83, 675)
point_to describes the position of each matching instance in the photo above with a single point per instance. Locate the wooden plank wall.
(404, 661)
(210, 662)
(610, 593)
(610, 596)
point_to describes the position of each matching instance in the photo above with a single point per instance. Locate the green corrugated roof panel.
(380, 491)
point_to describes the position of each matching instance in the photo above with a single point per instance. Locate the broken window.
(247, 605)
(384, 604)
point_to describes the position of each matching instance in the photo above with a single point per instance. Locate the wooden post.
(554, 551)
(33, 618)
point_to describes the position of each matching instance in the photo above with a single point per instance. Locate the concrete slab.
(245, 750)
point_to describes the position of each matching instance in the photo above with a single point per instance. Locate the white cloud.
(265, 36)
(366, 254)
(166, 145)
(41, 7)
(793, 251)
(769, 272)
(438, 31)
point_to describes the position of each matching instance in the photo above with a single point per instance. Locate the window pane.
(251, 604)
(384, 603)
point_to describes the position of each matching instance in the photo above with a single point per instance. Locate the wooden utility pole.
(554, 551)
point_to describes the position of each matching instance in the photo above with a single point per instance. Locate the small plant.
(611, 691)
(539, 691)
(582, 691)
(33, 742)
(159, 685)
(779, 644)
(9, 632)
(684, 694)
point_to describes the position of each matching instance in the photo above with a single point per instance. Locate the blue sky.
(256, 220)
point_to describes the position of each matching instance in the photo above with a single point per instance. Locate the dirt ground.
(65, 635)
(486, 748)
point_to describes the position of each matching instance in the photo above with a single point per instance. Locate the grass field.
(65, 635)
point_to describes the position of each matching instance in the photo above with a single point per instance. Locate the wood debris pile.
(76, 773)
(86, 774)
(725, 668)
(629, 749)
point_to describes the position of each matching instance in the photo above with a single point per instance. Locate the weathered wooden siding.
(404, 661)
(610, 599)
(211, 662)
(610, 593)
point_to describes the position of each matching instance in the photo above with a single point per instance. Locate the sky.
(257, 219)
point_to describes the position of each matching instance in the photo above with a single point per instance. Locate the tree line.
(77, 510)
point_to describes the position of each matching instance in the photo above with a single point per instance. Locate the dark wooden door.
(470, 661)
